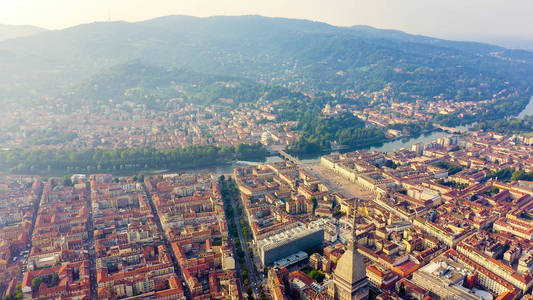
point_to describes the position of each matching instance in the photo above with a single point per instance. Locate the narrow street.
(237, 265)
(244, 246)
(90, 244)
(35, 211)
(34, 218)
(177, 269)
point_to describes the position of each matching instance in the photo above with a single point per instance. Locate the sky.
(481, 20)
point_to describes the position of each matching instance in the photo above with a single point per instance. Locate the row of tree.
(17, 295)
(103, 160)
(510, 174)
(506, 126)
(451, 168)
(491, 116)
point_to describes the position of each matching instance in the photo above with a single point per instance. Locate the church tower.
(349, 279)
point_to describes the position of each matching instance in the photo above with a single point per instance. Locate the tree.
(517, 175)
(16, 296)
(317, 275)
(494, 190)
(18, 291)
(401, 290)
(390, 164)
(41, 161)
(262, 295)
(66, 181)
(35, 283)
(250, 293)
(315, 202)
(54, 281)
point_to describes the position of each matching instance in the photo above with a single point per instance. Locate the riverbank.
(226, 167)
(392, 145)
(407, 142)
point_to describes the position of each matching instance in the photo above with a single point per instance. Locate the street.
(244, 245)
(34, 218)
(177, 269)
(90, 244)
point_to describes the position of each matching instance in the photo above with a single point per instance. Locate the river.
(425, 138)
(385, 147)
(405, 143)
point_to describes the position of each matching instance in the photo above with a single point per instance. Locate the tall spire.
(349, 277)
(352, 243)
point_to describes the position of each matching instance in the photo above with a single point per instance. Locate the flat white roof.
(48, 258)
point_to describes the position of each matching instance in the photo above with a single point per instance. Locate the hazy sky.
(459, 19)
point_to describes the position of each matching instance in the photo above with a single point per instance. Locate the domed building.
(266, 138)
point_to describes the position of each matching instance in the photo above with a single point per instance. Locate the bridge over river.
(278, 150)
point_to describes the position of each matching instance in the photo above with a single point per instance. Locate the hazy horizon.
(499, 22)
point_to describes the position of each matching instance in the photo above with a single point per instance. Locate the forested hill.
(16, 31)
(309, 55)
(147, 84)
